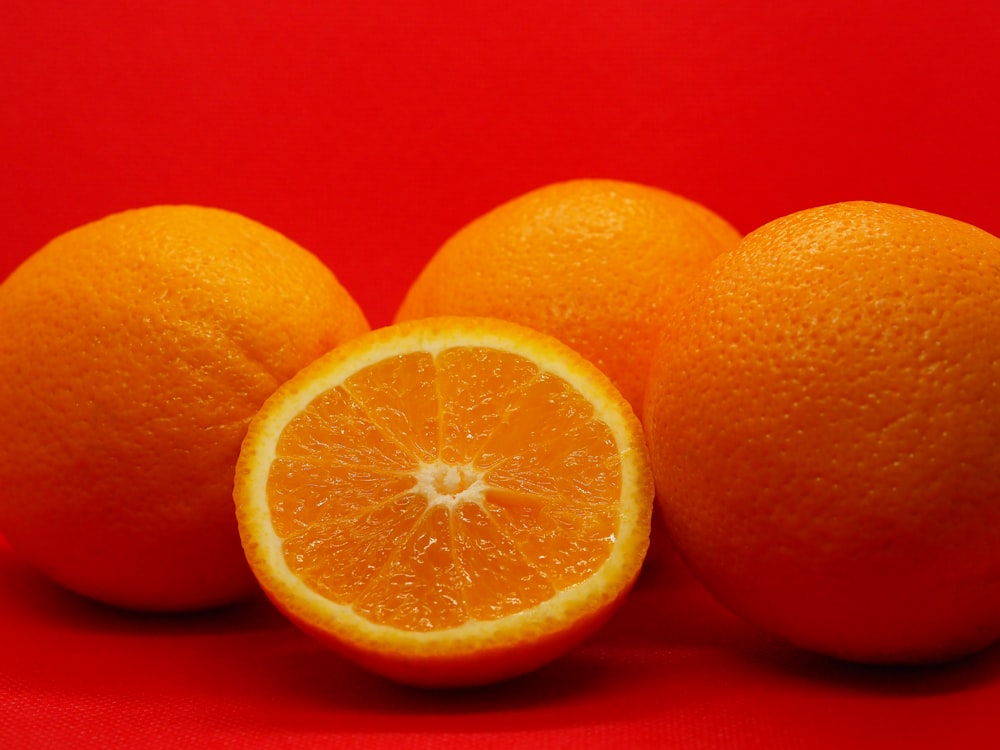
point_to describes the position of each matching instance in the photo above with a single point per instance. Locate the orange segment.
(442, 493)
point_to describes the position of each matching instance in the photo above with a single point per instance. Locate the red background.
(369, 132)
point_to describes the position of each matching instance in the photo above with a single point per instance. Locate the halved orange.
(449, 501)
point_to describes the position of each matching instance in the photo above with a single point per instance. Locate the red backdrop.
(369, 132)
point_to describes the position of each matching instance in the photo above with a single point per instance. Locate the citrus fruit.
(451, 501)
(824, 421)
(594, 263)
(133, 352)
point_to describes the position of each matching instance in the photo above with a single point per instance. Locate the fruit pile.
(192, 407)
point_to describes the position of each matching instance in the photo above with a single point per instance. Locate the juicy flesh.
(428, 491)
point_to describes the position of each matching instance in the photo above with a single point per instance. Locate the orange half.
(450, 501)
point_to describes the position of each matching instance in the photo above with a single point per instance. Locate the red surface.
(369, 132)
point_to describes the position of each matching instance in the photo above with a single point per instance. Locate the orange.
(595, 263)
(133, 352)
(824, 421)
(451, 501)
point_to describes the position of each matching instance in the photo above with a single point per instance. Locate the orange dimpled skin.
(595, 263)
(133, 352)
(824, 422)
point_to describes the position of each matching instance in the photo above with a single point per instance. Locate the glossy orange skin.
(824, 421)
(134, 351)
(595, 263)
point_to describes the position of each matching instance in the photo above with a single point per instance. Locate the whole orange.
(595, 263)
(824, 421)
(133, 352)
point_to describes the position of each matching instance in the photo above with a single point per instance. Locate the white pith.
(449, 485)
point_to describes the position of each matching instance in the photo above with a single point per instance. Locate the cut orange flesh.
(448, 501)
